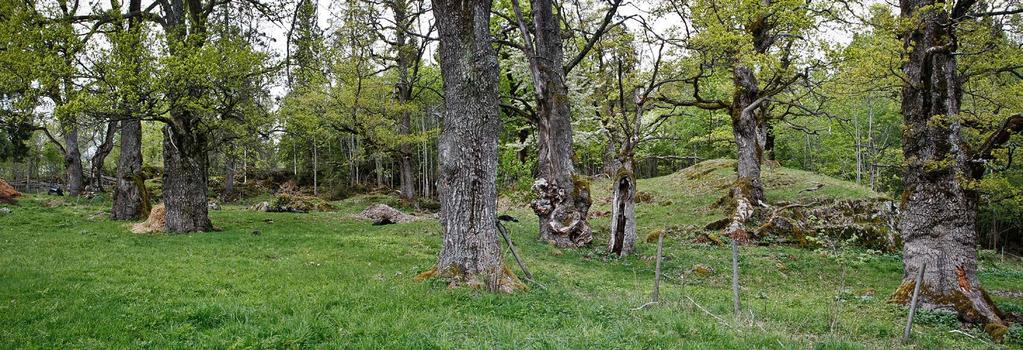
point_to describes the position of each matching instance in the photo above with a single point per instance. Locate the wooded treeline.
(450, 102)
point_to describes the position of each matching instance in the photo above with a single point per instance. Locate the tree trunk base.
(974, 307)
(503, 280)
(562, 215)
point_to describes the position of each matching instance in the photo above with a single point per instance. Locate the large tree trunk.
(745, 129)
(468, 148)
(563, 197)
(185, 179)
(73, 160)
(131, 199)
(939, 218)
(101, 155)
(623, 210)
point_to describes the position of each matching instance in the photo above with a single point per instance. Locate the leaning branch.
(596, 36)
(1010, 126)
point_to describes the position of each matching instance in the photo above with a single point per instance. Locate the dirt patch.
(156, 222)
(383, 214)
(8, 193)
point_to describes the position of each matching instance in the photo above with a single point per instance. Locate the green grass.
(70, 278)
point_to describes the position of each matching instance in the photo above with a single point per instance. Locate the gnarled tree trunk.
(468, 149)
(101, 155)
(746, 129)
(185, 179)
(939, 218)
(563, 198)
(131, 200)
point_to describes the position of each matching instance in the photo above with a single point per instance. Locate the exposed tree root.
(971, 303)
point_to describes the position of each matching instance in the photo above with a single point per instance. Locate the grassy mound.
(686, 202)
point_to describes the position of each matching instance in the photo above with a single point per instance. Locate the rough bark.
(101, 155)
(131, 199)
(623, 210)
(563, 197)
(73, 160)
(939, 213)
(745, 129)
(468, 149)
(185, 179)
(185, 159)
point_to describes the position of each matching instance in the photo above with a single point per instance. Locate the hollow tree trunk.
(563, 197)
(468, 148)
(184, 178)
(73, 160)
(939, 213)
(745, 129)
(623, 210)
(101, 155)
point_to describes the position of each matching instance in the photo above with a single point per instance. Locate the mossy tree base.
(499, 280)
(973, 306)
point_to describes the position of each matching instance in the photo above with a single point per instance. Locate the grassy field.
(70, 278)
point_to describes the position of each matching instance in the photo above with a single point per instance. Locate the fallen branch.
(522, 265)
(912, 304)
(720, 320)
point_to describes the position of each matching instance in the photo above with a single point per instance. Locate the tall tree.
(136, 100)
(468, 148)
(58, 48)
(754, 43)
(205, 85)
(408, 54)
(563, 196)
(939, 216)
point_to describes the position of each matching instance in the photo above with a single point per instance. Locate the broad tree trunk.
(73, 160)
(185, 179)
(939, 213)
(623, 210)
(745, 129)
(468, 148)
(563, 197)
(101, 155)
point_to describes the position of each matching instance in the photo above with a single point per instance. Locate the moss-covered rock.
(872, 220)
